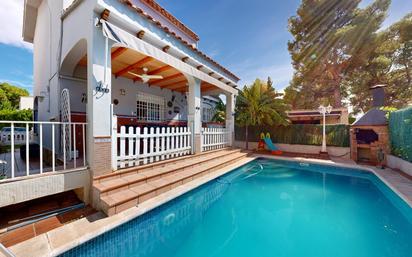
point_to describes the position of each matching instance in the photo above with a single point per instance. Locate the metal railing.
(44, 146)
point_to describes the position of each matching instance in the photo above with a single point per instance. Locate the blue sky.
(248, 37)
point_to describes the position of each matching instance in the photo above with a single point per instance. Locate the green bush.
(400, 131)
(337, 135)
(15, 115)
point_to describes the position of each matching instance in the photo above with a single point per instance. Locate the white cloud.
(11, 23)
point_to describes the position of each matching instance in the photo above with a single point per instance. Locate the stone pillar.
(230, 117)
(194, 116)
(99, 103)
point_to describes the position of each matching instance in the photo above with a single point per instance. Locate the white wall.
(44, 56)
(399, 164)
(30, 188)
(26, 103)
(127, 102)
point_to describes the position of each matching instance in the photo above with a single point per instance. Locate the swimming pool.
(269, 208)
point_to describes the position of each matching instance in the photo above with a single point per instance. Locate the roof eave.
(29, 19)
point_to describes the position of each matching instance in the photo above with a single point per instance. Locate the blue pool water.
(269, 208)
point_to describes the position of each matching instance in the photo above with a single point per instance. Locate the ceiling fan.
(146, 77)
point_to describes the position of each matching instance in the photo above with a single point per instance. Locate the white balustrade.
(29, 147)
(137, 146)
(215, 138)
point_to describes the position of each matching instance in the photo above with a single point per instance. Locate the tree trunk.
(247, 137)
(337, 96)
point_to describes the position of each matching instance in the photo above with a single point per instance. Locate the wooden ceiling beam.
(182, 89)
(166, 48)
(160, 70)
(205, 89)
(105, 14)
(140, 34)
(136, 65)
(161, 81)
(175, 85)
(116, 53)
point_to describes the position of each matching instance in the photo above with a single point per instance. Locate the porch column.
(194, 117)
(230, 117)
(99, 103)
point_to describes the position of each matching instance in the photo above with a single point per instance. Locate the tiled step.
(138, 175)
(162, 164)
(118, 195)
(130, 180)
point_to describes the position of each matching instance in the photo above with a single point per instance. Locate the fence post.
(114, 142)
(202, 138)
(192, 137)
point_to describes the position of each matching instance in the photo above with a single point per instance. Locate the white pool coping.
(62, 239)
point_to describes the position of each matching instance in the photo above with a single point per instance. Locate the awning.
(125, 39)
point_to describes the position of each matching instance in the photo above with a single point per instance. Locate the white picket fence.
(215, 138)
(41, 146)
(138, 146)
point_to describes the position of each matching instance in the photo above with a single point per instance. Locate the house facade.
(97, 49)
(117, 84)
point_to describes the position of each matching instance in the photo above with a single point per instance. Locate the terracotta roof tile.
(155, 6)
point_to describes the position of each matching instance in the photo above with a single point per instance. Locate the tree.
(220, 112)
(259, 104)
(331, 37)
(390, 63)
(10, 96)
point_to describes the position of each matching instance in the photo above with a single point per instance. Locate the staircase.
(129, 187)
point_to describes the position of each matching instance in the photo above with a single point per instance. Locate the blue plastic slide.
(270, 144)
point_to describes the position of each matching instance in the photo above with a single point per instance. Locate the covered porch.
(138, 120)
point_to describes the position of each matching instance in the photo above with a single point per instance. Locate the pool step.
(127, 188)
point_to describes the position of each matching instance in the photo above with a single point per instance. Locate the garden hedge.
(400, 131)
(337, 135)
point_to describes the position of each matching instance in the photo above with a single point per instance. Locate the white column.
(194, 116)
(99, 103)
(230, 117)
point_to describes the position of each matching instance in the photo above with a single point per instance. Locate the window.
(150, 107)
